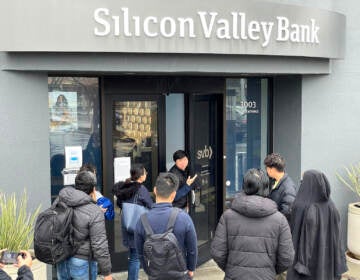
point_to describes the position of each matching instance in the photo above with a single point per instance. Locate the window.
(246, 129)
(74, 113)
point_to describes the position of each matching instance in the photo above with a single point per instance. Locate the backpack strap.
(146, 225)
(170, 226)
(173, 215)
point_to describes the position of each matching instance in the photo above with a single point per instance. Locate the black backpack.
(53, 234)
(164, 258)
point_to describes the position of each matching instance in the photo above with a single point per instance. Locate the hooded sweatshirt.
(252, 240)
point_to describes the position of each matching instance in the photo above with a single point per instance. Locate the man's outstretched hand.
(190, 180)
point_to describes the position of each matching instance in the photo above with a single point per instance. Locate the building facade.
(128, 82)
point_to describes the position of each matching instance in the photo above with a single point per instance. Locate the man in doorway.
(283, 190)
(158, 219)
(181, 170)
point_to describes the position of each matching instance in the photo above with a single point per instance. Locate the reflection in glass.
(63, 111)
(246, 129)
(135, 137)
(205, 165)
(74, 115)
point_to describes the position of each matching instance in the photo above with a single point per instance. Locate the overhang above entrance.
(230, 27)
(162, 64)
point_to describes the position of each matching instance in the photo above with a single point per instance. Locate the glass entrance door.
(132, 136)
(205, 145)
(247, 133)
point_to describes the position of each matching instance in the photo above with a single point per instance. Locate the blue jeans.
(134, 265)
(76, 269)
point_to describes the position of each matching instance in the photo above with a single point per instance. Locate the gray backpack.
(164, 258)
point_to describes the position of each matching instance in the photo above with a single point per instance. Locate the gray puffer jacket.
(252, 240)
(89, 228)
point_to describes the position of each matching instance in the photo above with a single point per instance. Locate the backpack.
(164, 258)
(53, 234)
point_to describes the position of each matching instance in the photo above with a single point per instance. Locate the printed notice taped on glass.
(121, 168)
(73, 156)
(69, 175)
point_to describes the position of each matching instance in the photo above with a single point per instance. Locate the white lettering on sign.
(234, 26)
(250, 107)
(297, 33)
(204, 153)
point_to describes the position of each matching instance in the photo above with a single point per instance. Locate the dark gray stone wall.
(24, 130)
(287, 122)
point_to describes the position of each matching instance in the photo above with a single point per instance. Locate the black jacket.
(89, 228)
(315, 224)
(252, 240)
(284, 195)
(181, 198)
(127, 192)
(24, 273)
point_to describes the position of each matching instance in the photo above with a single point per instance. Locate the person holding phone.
(23, 262)
(181, 170)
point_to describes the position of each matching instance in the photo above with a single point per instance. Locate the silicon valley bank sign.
(228, 27)
(206, 25)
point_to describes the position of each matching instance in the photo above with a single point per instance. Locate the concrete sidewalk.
(207, 271)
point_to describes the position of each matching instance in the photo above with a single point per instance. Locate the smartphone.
(8, 257)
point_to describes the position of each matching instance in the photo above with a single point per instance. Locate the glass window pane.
(246, 129)
(134, 135)
(74, 114)
(175, 116)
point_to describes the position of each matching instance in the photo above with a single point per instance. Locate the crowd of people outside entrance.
(273, 232)
(272, 229)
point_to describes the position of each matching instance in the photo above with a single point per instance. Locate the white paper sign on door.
(73, 156)
(69, 176)
(121, 168)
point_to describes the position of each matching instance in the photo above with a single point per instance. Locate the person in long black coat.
(315, 227)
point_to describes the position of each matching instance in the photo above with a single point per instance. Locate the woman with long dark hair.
(133, 191)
